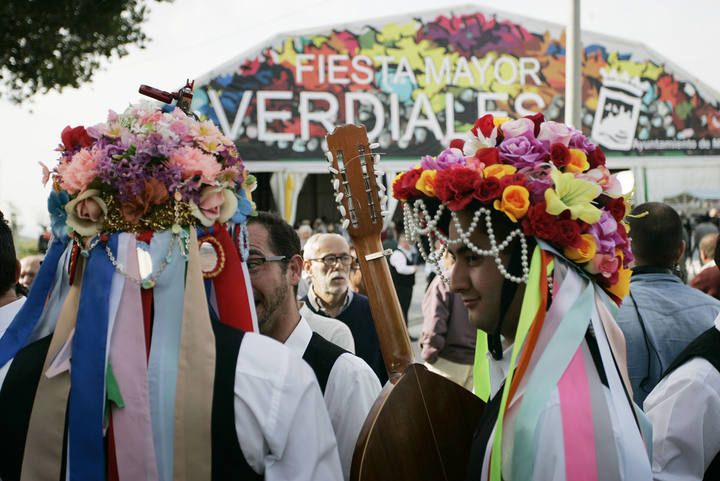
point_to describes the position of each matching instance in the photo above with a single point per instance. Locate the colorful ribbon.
(18, 332)
(87, 378)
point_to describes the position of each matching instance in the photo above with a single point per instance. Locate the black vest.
(706, 346)
(407, 280)
(18, 393)
(321, 355)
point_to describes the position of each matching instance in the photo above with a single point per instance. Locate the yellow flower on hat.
(514, 203)
(498, 170)
(622, 287)
(426, 182)
(498, 121)
(584, 252)
(578, 162)
(575, 195)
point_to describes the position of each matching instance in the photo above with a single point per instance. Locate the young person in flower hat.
(534, 221)
(132, 360)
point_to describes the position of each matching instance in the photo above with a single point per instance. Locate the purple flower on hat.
(579, 141)
(522, 152)
(448, 158)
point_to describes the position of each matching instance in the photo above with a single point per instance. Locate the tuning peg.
(385, 213)
(376, 158)
(346, 223)
(382, 196)
(381, 186)
(378, 172)
(336, 184)
(374, 145)
(333, 170)
(329, 156)
(341, 209)
(339, 197)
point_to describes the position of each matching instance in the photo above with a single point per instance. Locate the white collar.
(300, 337)
(708, 265)
(499, 369)
(8, 312)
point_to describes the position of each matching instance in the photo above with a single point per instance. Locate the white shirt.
(685, 412)
(331, 329)
(7, 314)
(351, 390)
(282, 427)
(399, 261)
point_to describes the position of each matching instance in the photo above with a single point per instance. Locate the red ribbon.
(231, 286)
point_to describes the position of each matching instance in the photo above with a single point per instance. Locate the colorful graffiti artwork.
(416, 82)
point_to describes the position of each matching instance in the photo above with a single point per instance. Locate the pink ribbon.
(133, 429)
(577, 421)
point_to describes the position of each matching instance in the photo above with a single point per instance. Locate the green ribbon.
(113, 388)
(481, 368)
(531, 303)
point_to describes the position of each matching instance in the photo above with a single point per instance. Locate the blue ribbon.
(168, 298)
(87, 376)
(20, 329)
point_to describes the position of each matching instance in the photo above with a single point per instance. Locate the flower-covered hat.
(546, 179)
(546, 182)
(148, 169)
(128, 300)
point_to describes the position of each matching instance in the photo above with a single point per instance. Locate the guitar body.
(419, 429)
(421, 426)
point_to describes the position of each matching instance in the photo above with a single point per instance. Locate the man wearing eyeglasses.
(328, 261)
(349, 385)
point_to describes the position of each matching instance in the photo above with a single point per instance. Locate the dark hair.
(8, 261)
(283, 239)
(656, 231)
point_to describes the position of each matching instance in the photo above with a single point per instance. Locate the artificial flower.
(456, 187)
(514, 203)
(153, 193)
(603, 264)
(217, 204)
(403, 186)
(518, 128)
(555, 132)
(58, 216)
(245, 208)
(86, 213)
(194, 162)
(577, 162)
(559, 155)
(487, 189)
(596, 157)
(583, 251)
(537, 120)
(75, 137)
(621, 288)
(575, 195)
(77, 173)
(498, 170)
(426, 182)
(487, 156)
(523, 152)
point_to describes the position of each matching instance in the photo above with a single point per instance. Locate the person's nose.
(459, 277)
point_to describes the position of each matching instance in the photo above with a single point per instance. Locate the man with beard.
(327, 261)
(10, 302)
(350, 387)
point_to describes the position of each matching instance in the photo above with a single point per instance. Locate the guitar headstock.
(359, 192)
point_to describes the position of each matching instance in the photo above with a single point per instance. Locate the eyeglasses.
(332, 259)
(254, 263)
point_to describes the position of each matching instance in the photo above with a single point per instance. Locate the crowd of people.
(550, 298)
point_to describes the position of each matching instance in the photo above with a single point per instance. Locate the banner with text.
(416, 82)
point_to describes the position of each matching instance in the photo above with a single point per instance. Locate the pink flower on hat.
(194, 162)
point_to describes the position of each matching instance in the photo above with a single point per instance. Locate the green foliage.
(50, 44)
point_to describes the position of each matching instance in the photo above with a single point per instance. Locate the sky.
(189, 38)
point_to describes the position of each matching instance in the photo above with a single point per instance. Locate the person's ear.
(295, 268)
(681, 250)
